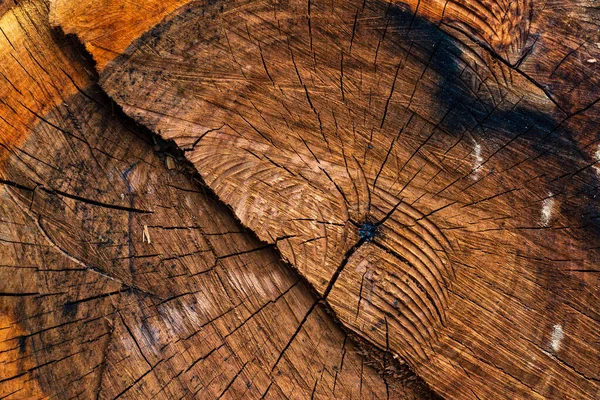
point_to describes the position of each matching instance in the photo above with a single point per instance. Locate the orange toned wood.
(125, 20)
(31, 84)
(12, 346)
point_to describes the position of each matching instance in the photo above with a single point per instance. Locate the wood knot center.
(393, 289)
(368, 231)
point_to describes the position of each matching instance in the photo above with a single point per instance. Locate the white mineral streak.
(477, 160)
(547, 209)
(557, 337)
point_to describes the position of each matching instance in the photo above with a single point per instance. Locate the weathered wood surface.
(429, 168)
(121, 277)
(554, 44)
(436, 194)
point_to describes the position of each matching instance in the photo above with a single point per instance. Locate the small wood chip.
(146, 235)
(169, 162)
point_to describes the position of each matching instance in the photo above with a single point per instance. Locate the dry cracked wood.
(120, 277)
(554, 44)
(439, 197)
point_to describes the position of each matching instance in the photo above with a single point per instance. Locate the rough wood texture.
(553, 44)
(430, 168)
(434, 197)
(121, 277)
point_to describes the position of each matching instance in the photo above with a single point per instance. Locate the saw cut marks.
(122, 277)
(280, 178)
(440, 201)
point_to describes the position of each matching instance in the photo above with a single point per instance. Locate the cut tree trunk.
(285, 199)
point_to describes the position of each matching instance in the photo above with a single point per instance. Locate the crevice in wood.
(392, 368)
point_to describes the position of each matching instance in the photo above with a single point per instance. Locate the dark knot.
(368, 231)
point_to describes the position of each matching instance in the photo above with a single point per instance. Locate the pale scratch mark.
(547, 209)
(557, 337)
(597, 160)
(477, 160)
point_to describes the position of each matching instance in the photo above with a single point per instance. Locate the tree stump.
(285, 199)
